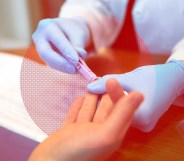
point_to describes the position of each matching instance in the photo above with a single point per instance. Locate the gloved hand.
(160, 85)
(61, 41)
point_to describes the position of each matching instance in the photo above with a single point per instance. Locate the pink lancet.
(85, 70)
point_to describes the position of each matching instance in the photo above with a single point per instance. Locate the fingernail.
(81, 52)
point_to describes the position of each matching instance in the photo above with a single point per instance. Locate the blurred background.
(19, 19)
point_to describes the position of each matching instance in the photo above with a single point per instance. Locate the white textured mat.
(13, 114)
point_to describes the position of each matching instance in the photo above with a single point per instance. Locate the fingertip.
(82, 52)
(112, 83)
(95, 88)
(138, 95)
(114, 89)
(134, 99)
(90, 88)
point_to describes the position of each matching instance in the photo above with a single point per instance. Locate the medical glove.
(160, 85)
(61, 41)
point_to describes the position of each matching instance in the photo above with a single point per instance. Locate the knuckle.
(41, 23)
(44, 22)
(41, 50)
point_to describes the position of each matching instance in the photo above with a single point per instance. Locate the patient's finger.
(114, 89)
(121, 116)
(103, 109)
(74, 110)
(88, 108)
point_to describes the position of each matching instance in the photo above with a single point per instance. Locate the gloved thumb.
(81, 51)
(98, 86)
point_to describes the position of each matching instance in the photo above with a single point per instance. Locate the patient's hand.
(93, 129)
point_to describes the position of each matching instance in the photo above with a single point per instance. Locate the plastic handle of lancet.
(85, 70)
(87, 73)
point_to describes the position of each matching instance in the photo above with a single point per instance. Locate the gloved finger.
(53, 59)
(81, 51)
(98, 86)
(60, 41)
(77, 42)
(43, 24)
(78, 37)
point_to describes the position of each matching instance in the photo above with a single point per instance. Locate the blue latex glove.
(160, 85)
(61, 41)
